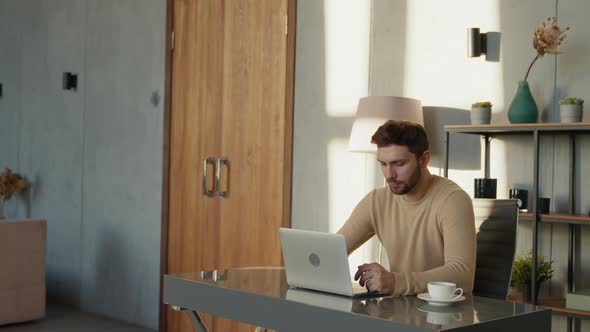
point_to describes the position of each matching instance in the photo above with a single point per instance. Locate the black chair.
(496, 223)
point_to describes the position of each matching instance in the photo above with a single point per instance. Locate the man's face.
(400, 168)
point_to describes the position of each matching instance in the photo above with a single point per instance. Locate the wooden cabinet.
(230, 138)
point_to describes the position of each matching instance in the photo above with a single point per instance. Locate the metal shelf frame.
(536, 130)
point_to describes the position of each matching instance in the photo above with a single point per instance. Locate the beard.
(407, 186)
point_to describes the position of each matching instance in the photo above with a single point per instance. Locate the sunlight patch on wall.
(351, 177)
(349, 180)
(347, 40)
(464, 178)
(438, 71)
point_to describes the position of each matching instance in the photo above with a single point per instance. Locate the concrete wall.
(93, 156)
(418, 49)
(331, 74)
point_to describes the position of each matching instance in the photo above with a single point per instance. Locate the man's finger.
(361, 269)
(367, 276)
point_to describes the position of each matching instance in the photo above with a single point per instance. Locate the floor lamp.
(371, 113)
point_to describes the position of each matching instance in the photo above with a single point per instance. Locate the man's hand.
(375, 278)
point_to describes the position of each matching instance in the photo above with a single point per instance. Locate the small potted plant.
(571, 109)
(481, 112)
(522, 269)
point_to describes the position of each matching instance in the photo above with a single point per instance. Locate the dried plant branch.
(547, 37)
(11, 183)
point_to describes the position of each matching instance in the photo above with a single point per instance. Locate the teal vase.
(523, 108)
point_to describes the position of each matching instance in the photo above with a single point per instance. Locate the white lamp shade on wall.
(373, 111)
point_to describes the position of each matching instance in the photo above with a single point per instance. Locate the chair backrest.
(496, 223)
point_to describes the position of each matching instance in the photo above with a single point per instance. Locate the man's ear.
(425, 158)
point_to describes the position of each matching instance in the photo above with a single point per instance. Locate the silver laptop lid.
(316, 260)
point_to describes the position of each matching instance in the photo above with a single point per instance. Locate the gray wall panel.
(10, 65)
(123, 159)
(51, 149)
(94, 156)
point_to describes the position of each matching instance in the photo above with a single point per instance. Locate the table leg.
(195, 319)
(198, 322)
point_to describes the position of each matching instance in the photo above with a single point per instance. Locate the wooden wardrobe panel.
(231, 97)
(253, 132)
(253, 136)
(197, 80)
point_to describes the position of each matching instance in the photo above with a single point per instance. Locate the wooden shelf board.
(523, 125)
(558, 218)
(519, 128)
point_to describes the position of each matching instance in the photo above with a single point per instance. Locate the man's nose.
(389, 172)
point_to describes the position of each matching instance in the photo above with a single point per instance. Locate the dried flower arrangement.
(546, 38)
(10, 183)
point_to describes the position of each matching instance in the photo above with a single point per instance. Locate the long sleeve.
(359, 226)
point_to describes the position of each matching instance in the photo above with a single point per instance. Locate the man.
(424, 222)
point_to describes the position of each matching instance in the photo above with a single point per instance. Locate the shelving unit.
(574, 221)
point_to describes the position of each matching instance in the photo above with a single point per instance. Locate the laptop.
(318, 261)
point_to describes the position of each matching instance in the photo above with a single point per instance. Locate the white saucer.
(439, 303)
(440, 309)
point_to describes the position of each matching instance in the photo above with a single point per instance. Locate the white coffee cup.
(443, 291)
(443, 318)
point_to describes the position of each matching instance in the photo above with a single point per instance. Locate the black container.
(543, 205)
(485, 188)
(522, 195)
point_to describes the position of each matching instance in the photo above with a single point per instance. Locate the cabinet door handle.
(220, 161)
(206, 191)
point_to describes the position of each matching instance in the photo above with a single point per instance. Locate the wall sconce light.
(477, 43)
(483, 43)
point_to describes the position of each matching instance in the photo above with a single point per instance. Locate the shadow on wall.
(109, 283)
(59, 285)
(435, 118)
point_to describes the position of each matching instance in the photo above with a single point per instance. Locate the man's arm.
(457, 224)
(359, 226)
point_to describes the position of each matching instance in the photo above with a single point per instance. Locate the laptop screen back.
(316, 260)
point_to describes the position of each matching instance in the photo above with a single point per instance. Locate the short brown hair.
(404, 133)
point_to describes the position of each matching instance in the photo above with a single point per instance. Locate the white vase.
(481, 115)
(570, 113)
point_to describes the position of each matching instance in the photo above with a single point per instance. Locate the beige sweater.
(432, 239)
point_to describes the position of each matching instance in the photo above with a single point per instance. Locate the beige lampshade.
(373, 111)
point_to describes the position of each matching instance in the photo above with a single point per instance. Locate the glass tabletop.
(408, 310)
